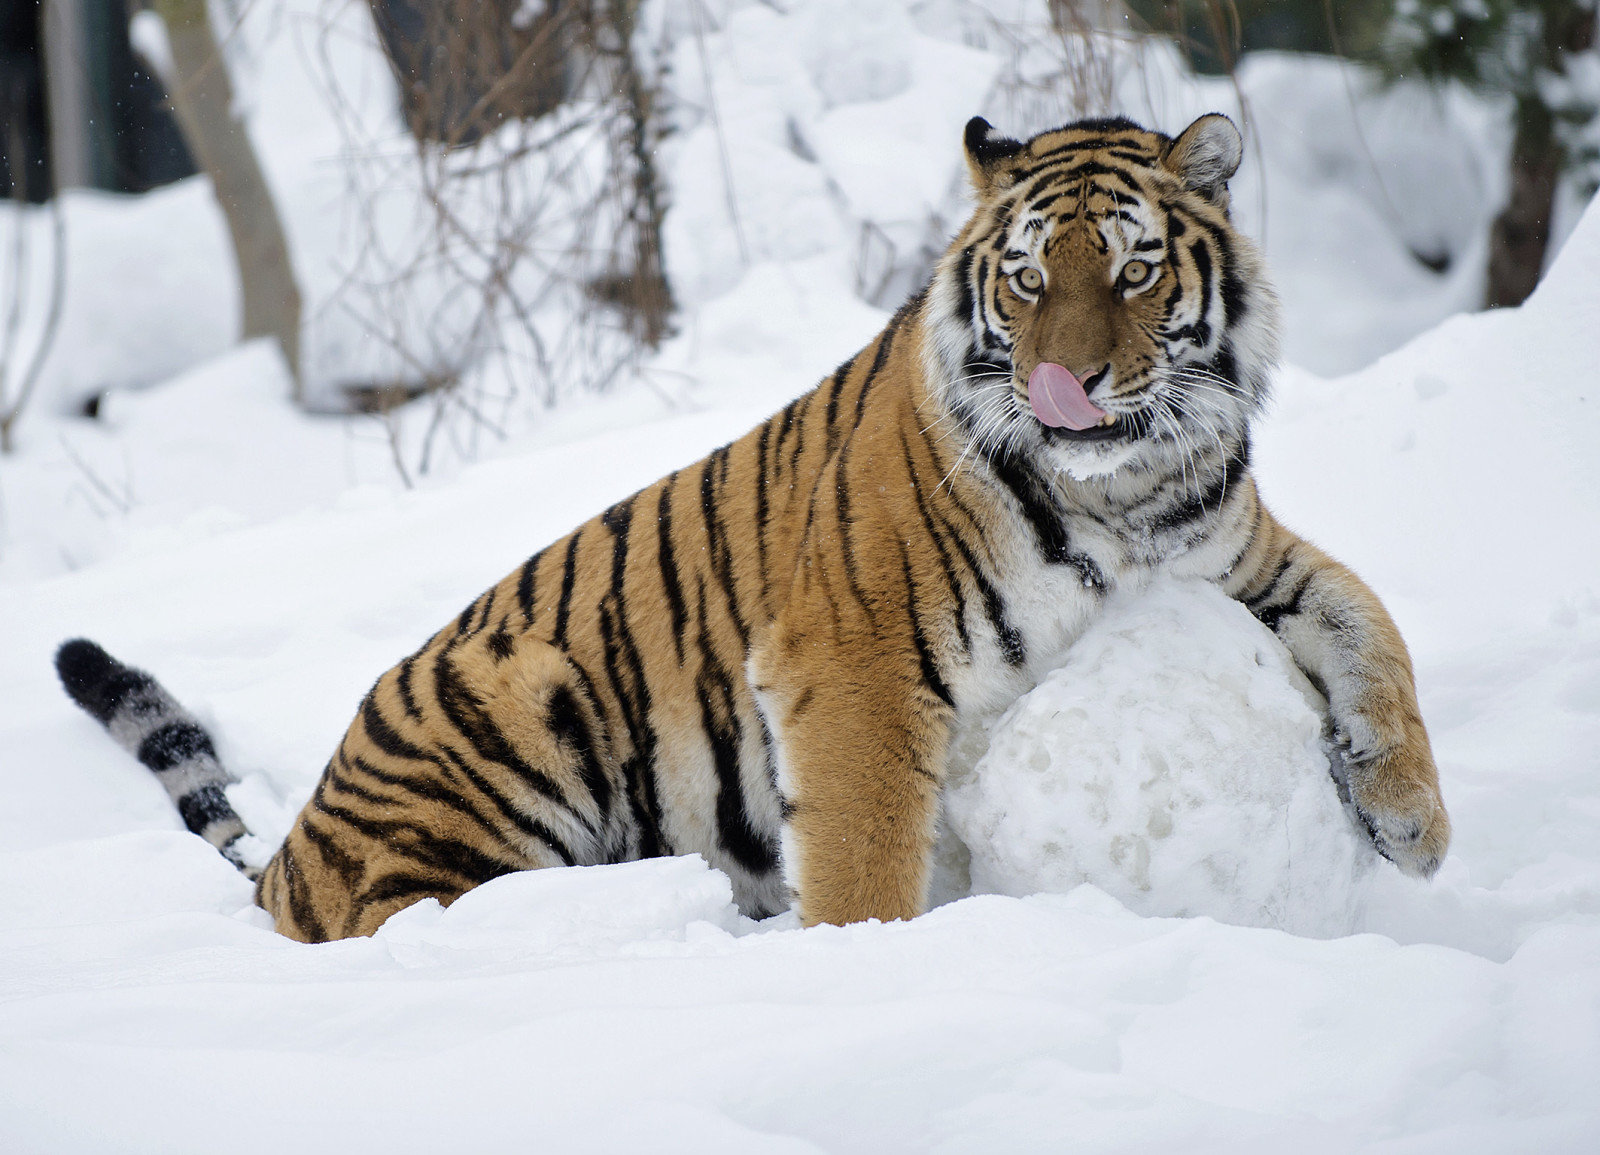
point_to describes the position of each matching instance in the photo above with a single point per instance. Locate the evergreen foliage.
(1537, 52)
(1540, 54)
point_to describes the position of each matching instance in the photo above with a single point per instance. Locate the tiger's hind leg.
(478, 756)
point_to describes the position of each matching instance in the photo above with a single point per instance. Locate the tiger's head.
(1099, 308)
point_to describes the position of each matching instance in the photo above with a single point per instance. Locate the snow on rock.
(1175, 761)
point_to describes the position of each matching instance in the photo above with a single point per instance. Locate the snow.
(267, 565)
(1175, 761)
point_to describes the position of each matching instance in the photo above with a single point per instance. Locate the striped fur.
(150, 725)
(773, 657)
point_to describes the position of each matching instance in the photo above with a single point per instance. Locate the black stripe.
(301, 908)
(1012, 647)
(624, 667)
(174, 744)
(930, 668)
(952, 580)
(571, 731)
(200, 808)
(1224, 365)
(467, 715)
(1046, 518)
(802, 415)
(1048, 522)
(718, 546)
(638, 775)
(1270, 616)
(1233, 296)
(347, 866)
(526, 586)
(408, 700)
(669, 564)
(1095, 168)
(737, 833)
(500, 643)
(835, 390)
(786, 424)
(420, 844)
(625, 673)
(885, 343)
(393, 886)
(1092, 143)
(1284, 562)
(1010, 638)
(1196, 505)
(1202, 267)
(964, 281)
(433, 789)
(385, 737)
(568, 577)
(761, 506)
(847, 548)
(1175, 263)
(514, 814)
(619, 520)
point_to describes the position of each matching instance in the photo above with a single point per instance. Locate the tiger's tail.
(150, 724)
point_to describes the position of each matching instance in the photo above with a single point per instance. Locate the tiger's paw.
(1396, 797)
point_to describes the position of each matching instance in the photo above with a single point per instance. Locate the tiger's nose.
(1092, 378)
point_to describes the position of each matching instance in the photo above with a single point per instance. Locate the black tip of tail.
(94, 679)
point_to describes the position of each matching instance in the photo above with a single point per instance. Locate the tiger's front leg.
(861, 739)
(1339, 633)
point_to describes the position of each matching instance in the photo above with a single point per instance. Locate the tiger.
(774, 657)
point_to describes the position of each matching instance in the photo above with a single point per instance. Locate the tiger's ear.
(1205, 155)
(987, 154)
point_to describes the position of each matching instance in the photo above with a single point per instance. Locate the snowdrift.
(146, 1007)
(268, 565)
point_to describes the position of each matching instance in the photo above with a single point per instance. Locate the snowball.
(1175, 761)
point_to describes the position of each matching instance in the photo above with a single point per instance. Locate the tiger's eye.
(1030, 280)
(1135, 273)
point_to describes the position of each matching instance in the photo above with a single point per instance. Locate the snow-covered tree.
(1540, 54)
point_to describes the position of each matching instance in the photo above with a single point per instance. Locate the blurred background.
(432, 223)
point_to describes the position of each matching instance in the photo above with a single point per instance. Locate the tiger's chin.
(1084, 459)
(1122, 439)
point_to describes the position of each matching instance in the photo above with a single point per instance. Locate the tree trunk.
(643, 290)
(203, 99)
(1522, 230)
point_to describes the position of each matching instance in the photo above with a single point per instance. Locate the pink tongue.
(1058, 400)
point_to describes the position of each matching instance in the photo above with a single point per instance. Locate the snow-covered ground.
(267, 565)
